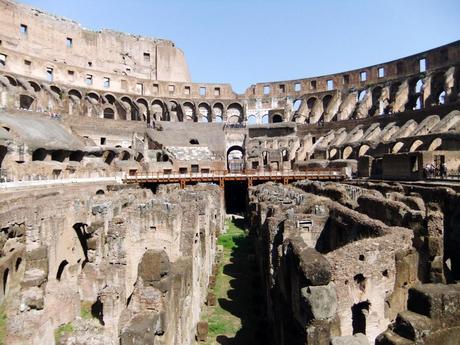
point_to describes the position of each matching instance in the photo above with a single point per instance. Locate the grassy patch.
(85, 310)
(2, 325)
(221, 322)
(61, 331)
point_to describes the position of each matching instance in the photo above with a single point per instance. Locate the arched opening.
(124, 156)
(109, 156)
(296, 105)
(347, 152)
(3, 152)
(61, 269)
(58, 155)
(17, 265)
(435, 144)
(397, 147)
(35, 86)
(75, 94)
(189, 112)
(97, 311)
(25, 102)
(442, 98)
(285, 155)
(218, 111)
(39, 155)
(11, 80)
(251, 120)
(362, 150)
(143, 109)
(360, 312)
(108, 99)
(76, 156)
(56, 90)
(100, 192)
(326, 100)
(277, 118)
(205, 112)
(194, 142)
(235, 158)
(80, 230)
(415, 145)
(6, 278)
(333, 153)
(158, 111)
(235, 113)
(109, 113)
(265, 119)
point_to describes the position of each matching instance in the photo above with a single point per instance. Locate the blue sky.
(247, 41)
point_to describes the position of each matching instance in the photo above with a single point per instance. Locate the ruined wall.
(48, 41)
(337, 260)
(118, 265)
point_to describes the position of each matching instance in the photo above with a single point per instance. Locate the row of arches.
(413, 93)
(354, 152)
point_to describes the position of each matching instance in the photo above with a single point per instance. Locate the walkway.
(237, 317)
(247, 175)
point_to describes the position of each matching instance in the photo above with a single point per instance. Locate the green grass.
(61, 331)
(2, 324)
(85, 310)
(221, 321)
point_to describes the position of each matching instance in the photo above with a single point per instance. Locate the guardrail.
(244, 174)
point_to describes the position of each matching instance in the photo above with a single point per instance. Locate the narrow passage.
(237, 317)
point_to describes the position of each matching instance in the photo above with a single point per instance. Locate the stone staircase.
(432, 318)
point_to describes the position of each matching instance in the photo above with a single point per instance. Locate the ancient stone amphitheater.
(117, 174)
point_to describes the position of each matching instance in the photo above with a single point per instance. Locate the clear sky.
(247, 41)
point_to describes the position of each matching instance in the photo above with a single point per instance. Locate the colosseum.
(328, 207)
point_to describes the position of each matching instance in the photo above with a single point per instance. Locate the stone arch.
(362, 150)
(415, 145)
(189, 111)
(376, 93)
(35, 86)
(11, 80)
(3, 152)
(218, 111)
(205, 112)
(108, 98)
(75, 94)
(277, 118)
(6, 280)
(265, 119)
(326, 100)
(252, 120)
(143, 109)
(347, 151)
(159, 111)
(56, 89)
(435, 144)
(437, 88)
(297, 104)
(235, 113)
(39, 154)
(109, 113)
(333, 153)
(76, 156)
(17, 264)
(235, 158)
(397, 147)
(61, 269)
(131, 110)
(93, 97)
(25, 101)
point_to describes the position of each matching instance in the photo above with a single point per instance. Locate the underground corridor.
(237, 317)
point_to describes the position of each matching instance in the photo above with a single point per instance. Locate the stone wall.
(120, 265)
